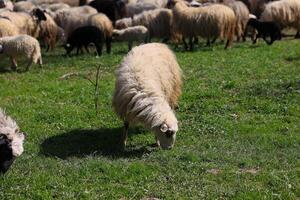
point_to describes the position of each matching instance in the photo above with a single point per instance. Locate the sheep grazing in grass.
(11, 141)
(265, 29)
(84, 36)
(285, 12)
(131, 34)
(158, 22)
(21, 45)
(148, 85)
(211, 21)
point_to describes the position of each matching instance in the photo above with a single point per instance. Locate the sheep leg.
(29, 64)
(40, 61)
(157, 141)
(208, 42)
(77, 52)
(108, 44)
(129, 45)
(99, 49)
(14, 64)
(184, 43)
(125, 134)
(191, 43)
(297, 36)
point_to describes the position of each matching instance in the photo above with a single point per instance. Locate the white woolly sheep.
(7, 28)
(21, 45)
(148, 85)
(11, 141)
(55, 7)
(158, 22)
(137, 8)
(211, 21)
(285, 12)
(131, 34)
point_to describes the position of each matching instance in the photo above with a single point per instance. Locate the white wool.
(135, 33)
(148, 84)
(21, 45)
(10, 128)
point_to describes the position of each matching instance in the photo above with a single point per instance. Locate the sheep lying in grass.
(285, 12)
(21, 45)
(210, 21)
(148, 85)
(265, 29)
(131, 34)
(11, 141)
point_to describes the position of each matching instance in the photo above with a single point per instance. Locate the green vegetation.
(239, 134)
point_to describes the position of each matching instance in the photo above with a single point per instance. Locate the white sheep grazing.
(131, 34)
(148, 85)
(11, 141)
(284, 12)
(212, 21)
(21, 45)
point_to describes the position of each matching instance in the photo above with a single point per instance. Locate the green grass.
(239, 135)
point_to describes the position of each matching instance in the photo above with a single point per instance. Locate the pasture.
(238, 137)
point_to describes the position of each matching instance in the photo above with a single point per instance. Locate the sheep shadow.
(293, 58)
(92, 142)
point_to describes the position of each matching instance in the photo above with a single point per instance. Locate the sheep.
(156, 3)
(113, 9)
(7, 28)
(158, 22)
(24, 6)
(55, 7)
(137, 8)
(135, 33)
(26, 23)
(211, 21)
(266, 29)
(285, 12)
(11, 141)
(21, 45)
(49, 32)
(84, 36)
(242, 16)
(102, 22)
(147, 88)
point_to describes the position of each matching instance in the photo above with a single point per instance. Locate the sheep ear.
(164, 128)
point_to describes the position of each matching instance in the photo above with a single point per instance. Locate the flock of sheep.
(148, 81)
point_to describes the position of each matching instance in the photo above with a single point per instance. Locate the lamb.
(21, 45)
(7, 28)
(131, 34)
(148, 85)
(211, 21)
(11, 141)
(285, 12)
(158, 22)
(266, 29)
(84, 36)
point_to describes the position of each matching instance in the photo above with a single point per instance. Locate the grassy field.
(239, 135)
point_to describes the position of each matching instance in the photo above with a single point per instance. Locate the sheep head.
(166, 133)
(39, 14)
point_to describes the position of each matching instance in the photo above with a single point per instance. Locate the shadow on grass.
(293, 58)
(82, 143)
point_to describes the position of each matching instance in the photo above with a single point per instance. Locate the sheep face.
(39, 15)
(166, 135)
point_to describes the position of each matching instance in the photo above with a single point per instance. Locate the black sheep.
(82, 37)
(266, 29)
(113, 9)
(6, 155)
